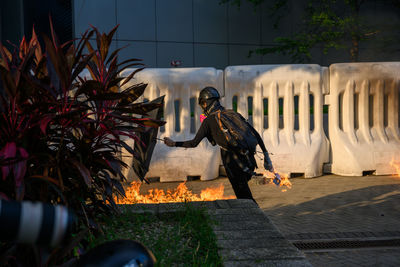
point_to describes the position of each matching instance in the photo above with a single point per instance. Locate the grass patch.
(182, 238)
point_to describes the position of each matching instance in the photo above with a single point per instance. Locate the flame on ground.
(180, 194)
(396, 166)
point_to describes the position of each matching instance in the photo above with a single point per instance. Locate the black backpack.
(239, 136)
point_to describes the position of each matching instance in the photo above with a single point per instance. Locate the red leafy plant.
(60, 131)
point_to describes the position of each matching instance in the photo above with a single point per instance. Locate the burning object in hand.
(279, 179)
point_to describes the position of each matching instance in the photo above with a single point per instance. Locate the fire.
(284, 179)
(180, 194)
(396, 166)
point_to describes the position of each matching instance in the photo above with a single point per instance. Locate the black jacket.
(210, 129)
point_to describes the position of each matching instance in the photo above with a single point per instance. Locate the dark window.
(371, 110)
(312, 113)
(280, 106)
(341, 111)
(250, 109)
(296, 112)
(177, 105)
(265, 112)
(356, 116)
(192, 115)
(385, 110)
(234, 103)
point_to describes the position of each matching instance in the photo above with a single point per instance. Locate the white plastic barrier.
(293, 151)
(363, 117)
(182, 85)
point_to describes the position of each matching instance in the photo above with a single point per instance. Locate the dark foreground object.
(35, 222)
(118, 253)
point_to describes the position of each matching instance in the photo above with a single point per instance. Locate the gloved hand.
(267, 162)
(169, 142)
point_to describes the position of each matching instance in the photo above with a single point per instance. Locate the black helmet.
(208, 93)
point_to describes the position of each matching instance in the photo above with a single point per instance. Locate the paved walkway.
(245, 235)
(338, 208)
(330, 208)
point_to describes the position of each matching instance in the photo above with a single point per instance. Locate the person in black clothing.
(238, 169)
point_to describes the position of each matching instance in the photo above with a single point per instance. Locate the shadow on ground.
(373, 208)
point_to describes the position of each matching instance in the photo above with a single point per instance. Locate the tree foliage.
(337, 24)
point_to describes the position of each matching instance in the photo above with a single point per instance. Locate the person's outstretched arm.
(267, 159)
(201, 133)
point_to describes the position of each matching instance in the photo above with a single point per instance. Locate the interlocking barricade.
(364, 117)
(181, 88)
(266, 86)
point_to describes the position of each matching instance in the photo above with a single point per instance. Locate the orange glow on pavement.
(396, 166)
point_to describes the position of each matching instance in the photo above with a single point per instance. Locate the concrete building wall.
(205, 33)
(11, 21)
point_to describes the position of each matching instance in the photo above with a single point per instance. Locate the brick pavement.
(330, 206)
(338, 208)
(246, 237)
(333, 204)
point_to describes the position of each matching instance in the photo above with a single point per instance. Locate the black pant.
(237, 177)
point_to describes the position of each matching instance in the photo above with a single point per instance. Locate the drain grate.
(338, 244)
(340, 235)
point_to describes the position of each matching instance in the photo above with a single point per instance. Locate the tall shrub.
(60, 133)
